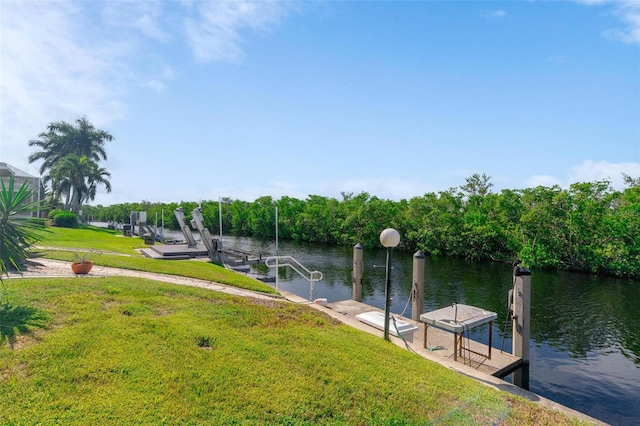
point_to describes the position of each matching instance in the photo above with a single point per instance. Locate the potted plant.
(81, 264)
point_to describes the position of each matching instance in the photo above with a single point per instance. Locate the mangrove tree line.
(588, 227)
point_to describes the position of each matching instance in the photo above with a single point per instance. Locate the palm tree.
(70, 154)
(59, 187)
(86, 177)
(95, 175)
(18, 230)
(77, 178)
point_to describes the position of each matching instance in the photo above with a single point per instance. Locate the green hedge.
(63, 218)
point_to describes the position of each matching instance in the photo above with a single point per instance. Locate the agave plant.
(18, 230)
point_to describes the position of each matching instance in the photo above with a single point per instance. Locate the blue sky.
(245, 99)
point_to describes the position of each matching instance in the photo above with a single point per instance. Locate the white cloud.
(144, 17)
(628, 11)
(590, 171)
(213, 30)
(160, 77)
(494, 14)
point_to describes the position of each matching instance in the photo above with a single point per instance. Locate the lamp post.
(389, 238)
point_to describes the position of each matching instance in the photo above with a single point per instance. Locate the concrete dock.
(440, 343)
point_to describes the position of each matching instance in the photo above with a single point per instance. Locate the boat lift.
(186, 231)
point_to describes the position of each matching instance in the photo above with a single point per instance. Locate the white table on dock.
(459, 318)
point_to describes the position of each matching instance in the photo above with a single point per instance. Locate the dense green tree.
(239, 211)
(418, 219)
(543, 227)
(630, 180)
(261, 217)
(227, 219)
(288, 210)
(587, 219)
(508, 213)
(319, 220)
(481, 228)
(449, 222)
(355, 218)
(211, 216)
(621, 253)
(477, 185)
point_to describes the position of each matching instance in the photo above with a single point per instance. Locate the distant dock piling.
(356, 274)
(417, 290)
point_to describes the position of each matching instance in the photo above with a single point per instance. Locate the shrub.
(63, 218)
(53, 213)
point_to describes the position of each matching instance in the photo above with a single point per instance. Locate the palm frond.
(18, 230)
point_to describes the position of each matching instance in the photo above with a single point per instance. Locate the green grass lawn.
(132, 351)
(110, 248)
(91, 238)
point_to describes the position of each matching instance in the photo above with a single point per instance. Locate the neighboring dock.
(175, 251)
(231, 256)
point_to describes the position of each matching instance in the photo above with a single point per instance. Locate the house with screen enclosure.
(19, 178)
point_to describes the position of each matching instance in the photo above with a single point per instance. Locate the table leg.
(426, 326)
(455, 346)
(490, 335)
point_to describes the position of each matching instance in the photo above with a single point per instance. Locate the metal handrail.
(312, 276)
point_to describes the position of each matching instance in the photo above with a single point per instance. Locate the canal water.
(585, 330)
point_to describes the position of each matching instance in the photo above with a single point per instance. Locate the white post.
(277, 253)
(220, 215)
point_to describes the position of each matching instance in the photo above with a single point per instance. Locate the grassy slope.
(122, 351)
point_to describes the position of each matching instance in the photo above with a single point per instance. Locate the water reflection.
(580, 314)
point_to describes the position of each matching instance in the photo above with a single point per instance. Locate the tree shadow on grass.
(16, 321)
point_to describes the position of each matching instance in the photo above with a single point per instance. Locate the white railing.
(311, 276)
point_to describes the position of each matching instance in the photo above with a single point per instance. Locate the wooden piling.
(417, 292)
(356, 274)
(521, 323)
